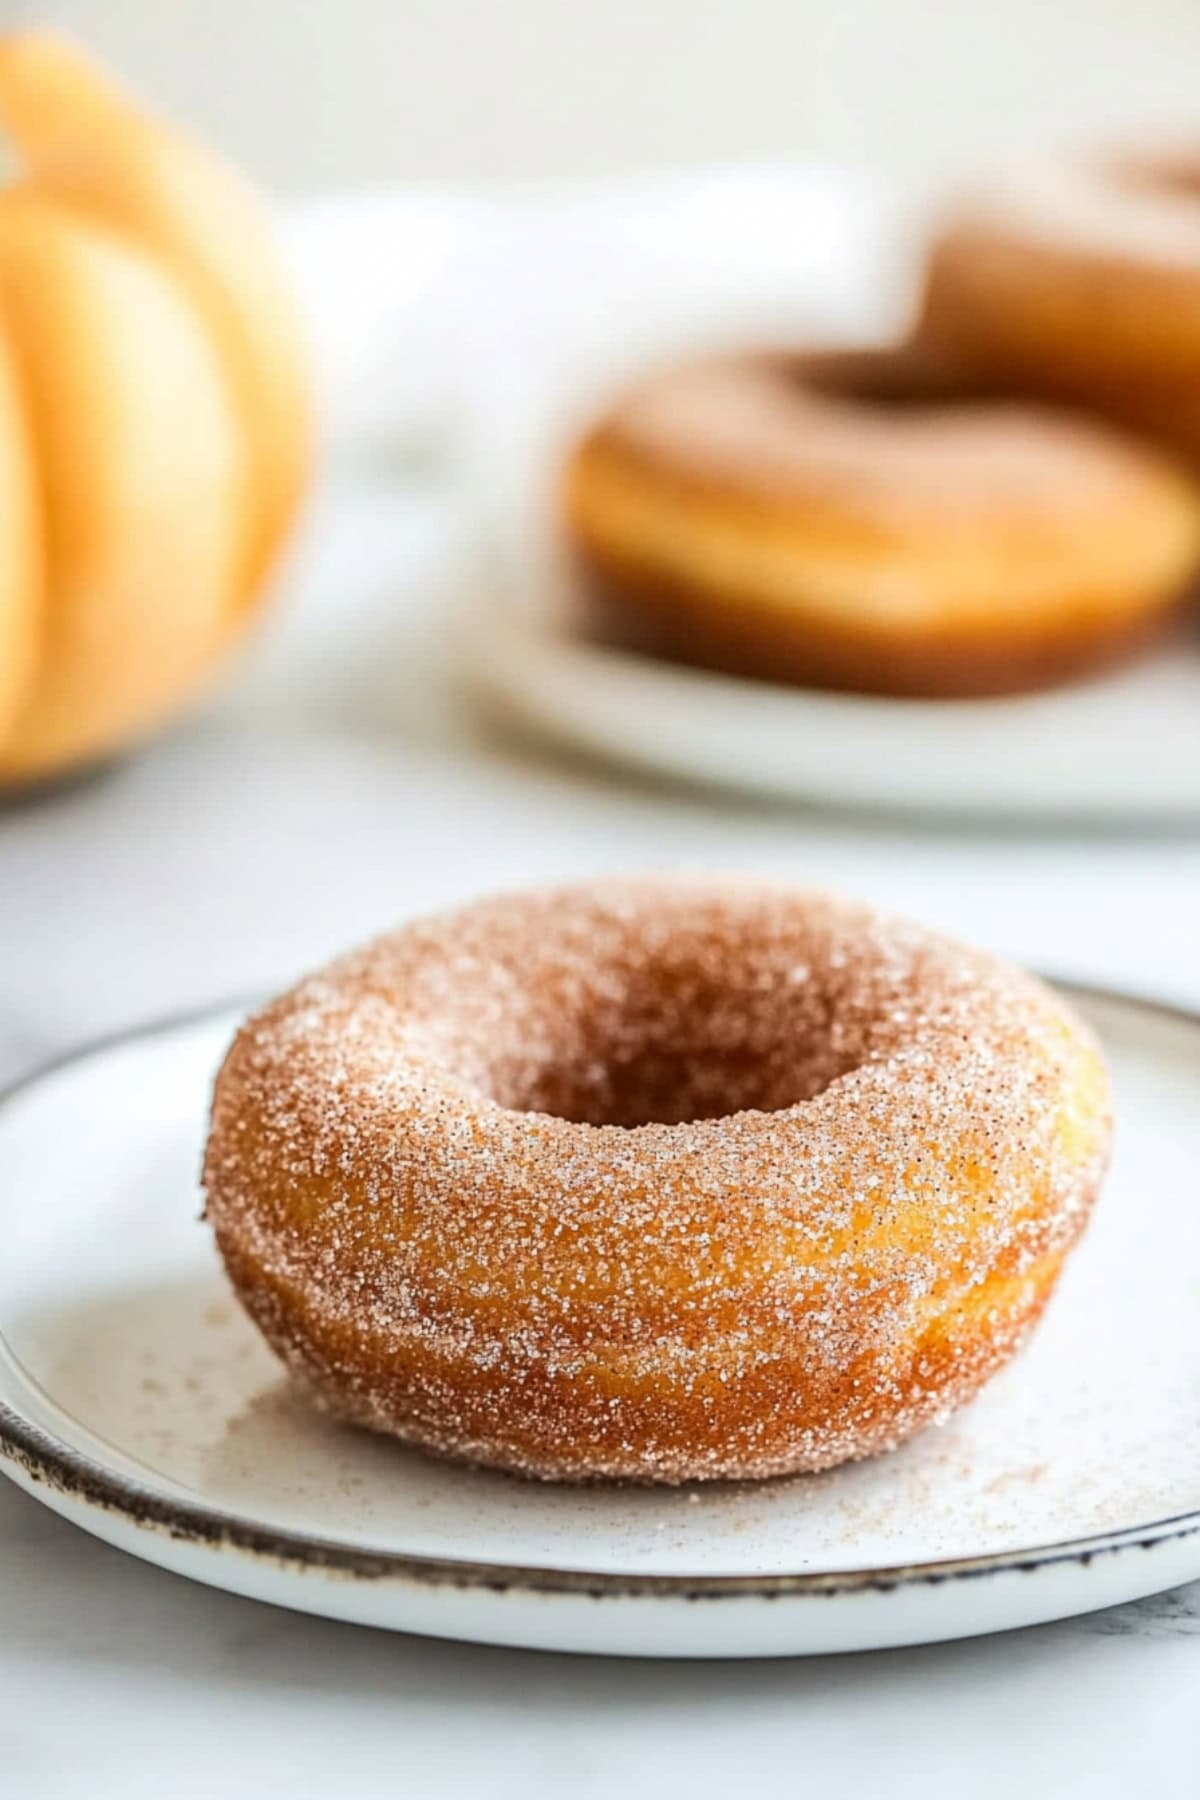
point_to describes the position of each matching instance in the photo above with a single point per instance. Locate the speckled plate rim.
(35, 1457)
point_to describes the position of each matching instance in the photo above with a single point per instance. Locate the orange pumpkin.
(154, 411)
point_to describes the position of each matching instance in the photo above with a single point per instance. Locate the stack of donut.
(1005, 500)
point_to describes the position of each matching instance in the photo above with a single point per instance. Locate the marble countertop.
(299, 813)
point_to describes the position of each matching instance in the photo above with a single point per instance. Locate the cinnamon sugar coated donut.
(878, 521)
(661, 1180)
(1080, 281)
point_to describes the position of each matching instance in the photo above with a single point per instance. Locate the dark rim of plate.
(49, 1461)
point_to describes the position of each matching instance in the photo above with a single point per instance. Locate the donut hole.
(895, 380)
(1177, 176)
(654, 1045)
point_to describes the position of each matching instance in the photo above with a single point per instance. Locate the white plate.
(1123, 747)
(136, 1400)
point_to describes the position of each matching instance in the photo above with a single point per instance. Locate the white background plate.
(135, 1399)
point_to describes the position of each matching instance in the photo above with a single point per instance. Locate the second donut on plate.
(873, 521)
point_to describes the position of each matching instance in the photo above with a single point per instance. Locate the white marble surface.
(308, 808)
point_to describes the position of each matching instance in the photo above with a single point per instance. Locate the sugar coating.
(778, 431)
(661, 1180)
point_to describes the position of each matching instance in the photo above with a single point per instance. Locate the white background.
(324, 93)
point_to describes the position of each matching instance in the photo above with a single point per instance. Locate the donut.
(654, 1180)
(1081, 281)
(872, 521)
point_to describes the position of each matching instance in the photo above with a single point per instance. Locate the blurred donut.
(1081, 281)
(872, 521)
